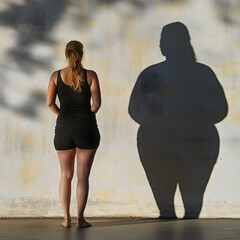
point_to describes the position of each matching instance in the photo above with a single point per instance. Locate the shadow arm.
(134, 106)
(216, 106)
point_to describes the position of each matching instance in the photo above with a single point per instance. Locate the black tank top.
(73, 104)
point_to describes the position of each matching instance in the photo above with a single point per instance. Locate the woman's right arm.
(95, 91)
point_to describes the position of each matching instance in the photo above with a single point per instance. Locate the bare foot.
(66, 223)
(81, 223)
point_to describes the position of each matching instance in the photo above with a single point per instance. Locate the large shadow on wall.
(177, 102)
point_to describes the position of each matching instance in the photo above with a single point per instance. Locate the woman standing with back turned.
(76, 130)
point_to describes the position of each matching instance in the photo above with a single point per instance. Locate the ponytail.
(74, 50)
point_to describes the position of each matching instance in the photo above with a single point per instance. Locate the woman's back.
(74, 104)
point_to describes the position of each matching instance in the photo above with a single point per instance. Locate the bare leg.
(66, 159)
(84, 163)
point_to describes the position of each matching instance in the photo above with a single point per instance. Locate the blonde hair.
(74, 53)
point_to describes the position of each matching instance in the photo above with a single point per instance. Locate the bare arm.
(95, 91)
(51, 94)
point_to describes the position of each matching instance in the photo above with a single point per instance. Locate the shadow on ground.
(127, 229)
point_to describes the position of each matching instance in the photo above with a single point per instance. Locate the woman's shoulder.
(54, 76)
(91, 72)
(91, 76)
(56, 72)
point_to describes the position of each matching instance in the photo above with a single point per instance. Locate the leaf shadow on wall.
(33, 22)
(177, 102)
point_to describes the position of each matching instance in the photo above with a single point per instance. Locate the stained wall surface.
(120, 38)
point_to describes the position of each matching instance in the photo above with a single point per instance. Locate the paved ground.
(120, 229)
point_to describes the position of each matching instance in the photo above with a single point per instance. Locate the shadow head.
(175, 42)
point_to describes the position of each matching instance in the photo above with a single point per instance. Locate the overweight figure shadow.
(177, 102)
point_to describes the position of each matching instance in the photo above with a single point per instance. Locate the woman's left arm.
(51, 94)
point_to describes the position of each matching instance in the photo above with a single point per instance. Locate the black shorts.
(83, 134)
(64, 140)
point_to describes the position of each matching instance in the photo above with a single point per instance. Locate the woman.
(76, 130)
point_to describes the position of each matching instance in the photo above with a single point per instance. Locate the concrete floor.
(120, 229)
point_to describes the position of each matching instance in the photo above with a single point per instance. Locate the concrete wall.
(121, 38)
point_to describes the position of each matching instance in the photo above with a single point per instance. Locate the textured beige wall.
(121, 38)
